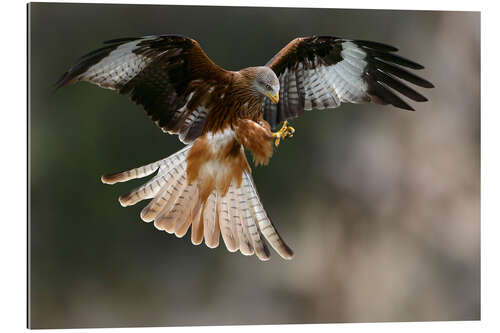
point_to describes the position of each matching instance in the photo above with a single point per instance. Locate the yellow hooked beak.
(273, 97)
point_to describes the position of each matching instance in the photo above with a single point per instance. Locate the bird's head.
(267, 83)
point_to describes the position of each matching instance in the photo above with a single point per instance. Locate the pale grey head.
(266, 82)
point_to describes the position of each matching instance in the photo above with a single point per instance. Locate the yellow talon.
(284, 132)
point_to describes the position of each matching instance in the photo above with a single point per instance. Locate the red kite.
(218, 113)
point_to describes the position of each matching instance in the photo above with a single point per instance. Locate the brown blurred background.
(381, 206)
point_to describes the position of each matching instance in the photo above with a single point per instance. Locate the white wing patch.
(324, 86)
(329, 86)
(119, 67)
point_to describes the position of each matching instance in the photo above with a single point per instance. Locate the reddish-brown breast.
(216, 160)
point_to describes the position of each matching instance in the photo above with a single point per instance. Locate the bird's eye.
(268, 87)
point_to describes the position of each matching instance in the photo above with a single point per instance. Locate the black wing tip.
(401, 105)
(407, 107)
(122, 40)
(360, 42)
(394, 83)
(399, 72)
(83, 63)
(376, 45)
(428, 85)
(383, 52)
(59, 83)
(381, 93)
(386, 55)
(66, 79)
(423, 83)
(63, 80)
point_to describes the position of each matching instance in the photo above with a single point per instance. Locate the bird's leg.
(284, 132)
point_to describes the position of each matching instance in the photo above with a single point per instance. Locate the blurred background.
(381, 206)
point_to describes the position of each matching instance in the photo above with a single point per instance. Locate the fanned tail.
(176, 206)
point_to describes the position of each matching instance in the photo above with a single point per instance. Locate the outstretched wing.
(323, 72)
(170, 76)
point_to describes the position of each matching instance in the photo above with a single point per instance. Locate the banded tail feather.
(263, 221)
(176, 206)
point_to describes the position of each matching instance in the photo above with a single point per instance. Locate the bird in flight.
(219, 114)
